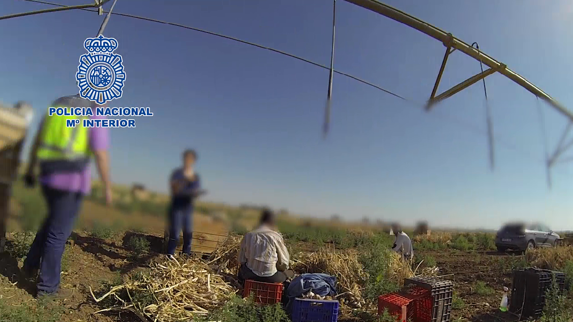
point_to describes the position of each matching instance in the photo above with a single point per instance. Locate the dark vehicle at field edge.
(520, 237)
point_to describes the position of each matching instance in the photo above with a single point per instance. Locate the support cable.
(331, 76)
(544, 138)
(240, 41)
(413, 103)
(491, 141)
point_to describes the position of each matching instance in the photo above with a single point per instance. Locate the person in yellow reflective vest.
(63, 154)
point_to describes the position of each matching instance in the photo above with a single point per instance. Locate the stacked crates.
(308, 310)
(397, 305)
(529, 289)
(436, 305)
(264, 293)
(422, 302)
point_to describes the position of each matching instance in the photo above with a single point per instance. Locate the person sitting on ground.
(263, 255)
(402, 244)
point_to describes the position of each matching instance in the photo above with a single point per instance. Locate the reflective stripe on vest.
(58, 142)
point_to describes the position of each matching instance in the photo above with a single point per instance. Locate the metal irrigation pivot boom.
(452, 43)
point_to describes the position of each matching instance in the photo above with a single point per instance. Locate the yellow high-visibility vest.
(59, 142)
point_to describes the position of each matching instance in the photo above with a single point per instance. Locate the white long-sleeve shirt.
(403, 245)
(262, 250)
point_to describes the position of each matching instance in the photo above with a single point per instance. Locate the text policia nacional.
(100, 111)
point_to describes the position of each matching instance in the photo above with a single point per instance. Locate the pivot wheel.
(530, 245)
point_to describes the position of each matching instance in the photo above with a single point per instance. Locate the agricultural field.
(114, 269)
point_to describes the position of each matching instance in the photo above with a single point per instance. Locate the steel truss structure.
(449, 41)
(452, 43)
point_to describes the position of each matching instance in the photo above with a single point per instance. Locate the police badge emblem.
(100, 73)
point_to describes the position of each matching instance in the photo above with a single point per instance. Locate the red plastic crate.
(422, 305)
(398, 305)
(423, 309)
(264, 293)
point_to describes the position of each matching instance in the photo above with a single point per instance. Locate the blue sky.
(255, 117)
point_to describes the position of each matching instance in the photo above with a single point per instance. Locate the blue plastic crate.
(315, 311)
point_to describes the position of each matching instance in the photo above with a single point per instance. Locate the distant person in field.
(263, 255)
(402, 244)
(10, 159)
(185, 188)
(64, 155)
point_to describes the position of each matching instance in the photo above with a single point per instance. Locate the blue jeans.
(48, 246)
(180, 218)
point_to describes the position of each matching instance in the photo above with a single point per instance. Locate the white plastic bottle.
(503, 304)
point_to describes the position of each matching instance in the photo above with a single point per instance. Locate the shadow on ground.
(98, 247)
(507, 253)
(155, 243)
(11, 271)
(494, 316)
(124, 316)
(118, 254)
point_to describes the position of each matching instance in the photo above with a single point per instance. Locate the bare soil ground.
(91, 262)
(468, 268)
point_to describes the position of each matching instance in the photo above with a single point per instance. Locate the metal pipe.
(105, 20)
(561, 140)
(463, 85)
(559, 152)
(442, 67)
(442, 36)
(330, 75)
(566, 160)
(30, 13)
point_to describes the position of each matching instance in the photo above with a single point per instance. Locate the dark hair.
(22, 104)
(267, 217)
(190, 152)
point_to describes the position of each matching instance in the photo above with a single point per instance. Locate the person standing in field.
(11, 143)
(402, 244)
(185, 187)
(64, 156)
(263, 255)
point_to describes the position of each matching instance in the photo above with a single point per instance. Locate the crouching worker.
(402, 244)
(263, 255)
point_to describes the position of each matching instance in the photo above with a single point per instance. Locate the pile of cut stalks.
(180, 289)
(170, 291)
